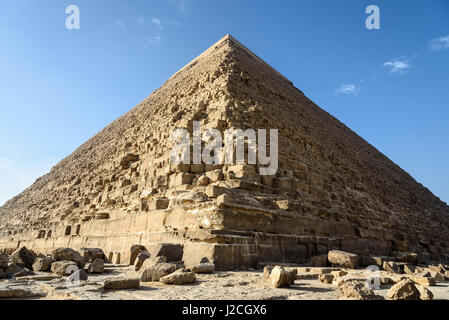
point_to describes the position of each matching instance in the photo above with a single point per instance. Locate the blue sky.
(59, 87)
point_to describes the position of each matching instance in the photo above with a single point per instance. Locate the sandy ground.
(217, 286)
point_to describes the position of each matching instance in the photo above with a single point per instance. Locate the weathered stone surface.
(68, 254)
(326, 278)
(391, 266)
(23, 257)
(42, 264)
(279, 278)
(179, 278)
(156, 272)
(357, 290)
(404, 290)
(90, 254)
(318, 261)
(330, 183)
(4, 259)
(16, 293)
(135, 251)
(121, 283)
(64, 268)
(172, 251)
(206, 267)
(97, 266)
(424, 293)
(141, 259)
(424, 281)
(343, 259)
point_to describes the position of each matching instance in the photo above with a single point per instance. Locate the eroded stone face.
(332, 190)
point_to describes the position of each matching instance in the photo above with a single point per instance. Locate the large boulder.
(64, 268)
(97, 266)
(357, 290)
(90, 254)
(68, 254)
(404, 290)
(121, 283)
(136, 249)
(179, 278)
(343, 259)
(156, 272)
(4, 259)
(172, 251)
(279, 278)
(42, 264)
(23, 257)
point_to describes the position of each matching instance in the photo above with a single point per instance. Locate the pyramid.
(332, 190)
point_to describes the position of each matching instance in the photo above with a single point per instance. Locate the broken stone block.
(326, 278)
(97, 266)
(201, 181)
(214, 191)
(159, 204)
(391, 266)
(68, 254)
(136, 249)
(279, 278)
(121, 283)
(357, 290)
(404, 290)
(64, 268)
(339, 273)
(179, 278)
(140, 260)
(409, 269)
(156, 272)
(42, 264)
(79, 275)
(343, 259)
(13, 293)
(437, 276)
(172, 251)
(204, 268)
(424, 293)
(90, 254)
(424, 281)
(23, 257)
(215, 175)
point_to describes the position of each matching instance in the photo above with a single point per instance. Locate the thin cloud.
(182, 6)
(398, 66)
(153, 41)
(348, 89)
(440, 43)
(173, 23)
(120, 24)
(157, 22)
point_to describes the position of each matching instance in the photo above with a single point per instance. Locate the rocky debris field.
(159, 275)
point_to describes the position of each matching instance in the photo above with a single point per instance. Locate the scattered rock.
(172, 251)
(343, 259)
(437, 276)
(279, 278)
(326, 278)
(67, 254)
(141, 259)
(409, 269)
(357, 290)
(23, 257)
(97, 266)
(156, 272)
(404, 290)
(64, 268)
(179, 278)
(136, 249)
(42, 264)
(424, 281)
(391, 266)
(425, 294)
(206, 267)
(90, 254)
(121, 283)
(9, 293)
(22, 273)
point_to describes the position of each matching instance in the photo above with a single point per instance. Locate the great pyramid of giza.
(332, 189)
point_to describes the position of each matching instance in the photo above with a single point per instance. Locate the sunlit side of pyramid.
(332, 189)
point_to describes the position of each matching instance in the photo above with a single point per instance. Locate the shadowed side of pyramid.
(332, 190)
